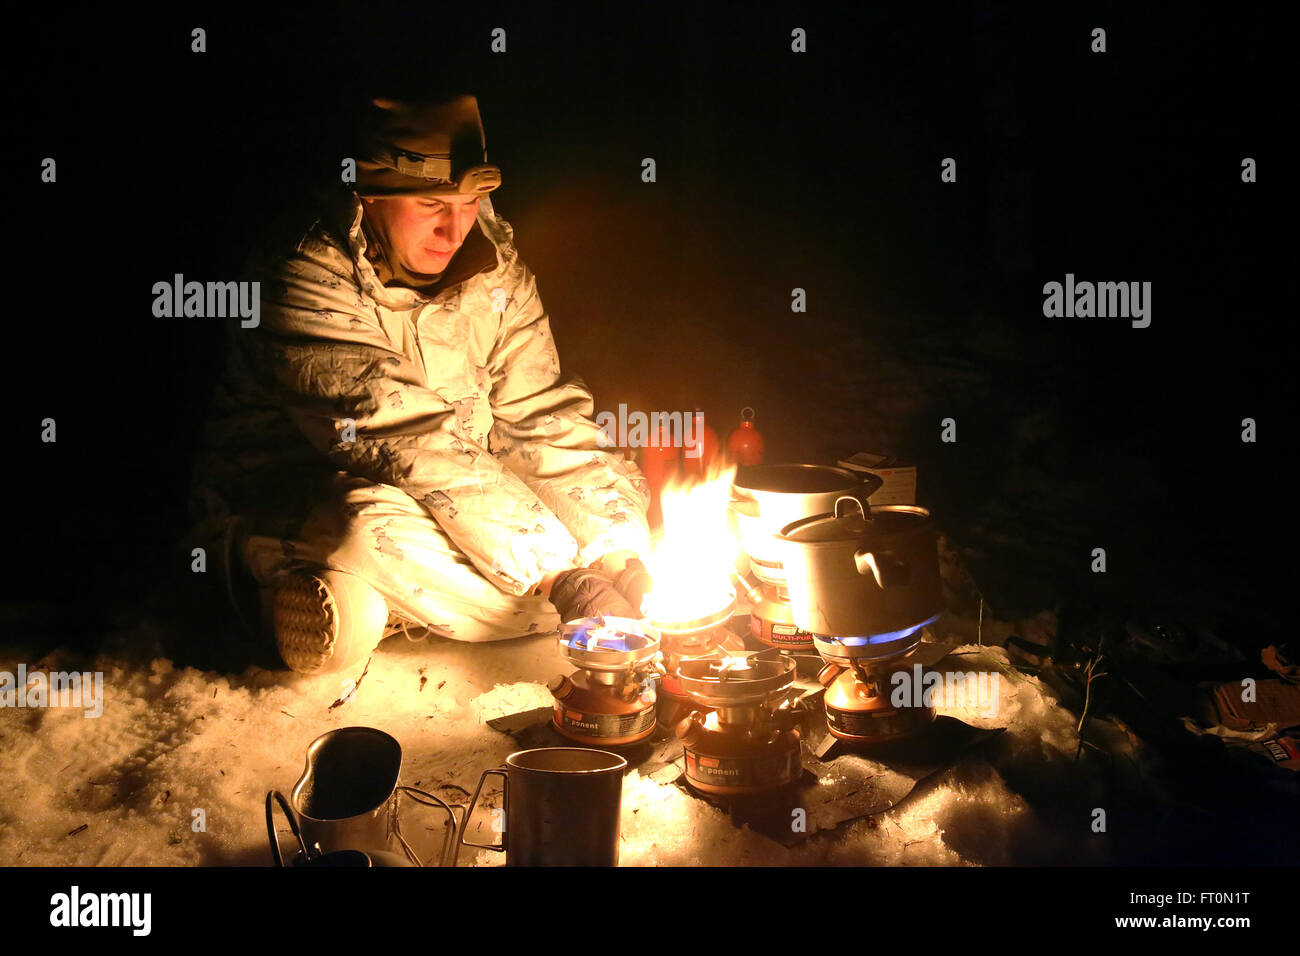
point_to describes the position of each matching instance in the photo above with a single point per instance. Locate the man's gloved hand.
(586, 592)
(633, 582)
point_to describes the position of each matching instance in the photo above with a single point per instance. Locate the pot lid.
(851, 522)
(795, 479)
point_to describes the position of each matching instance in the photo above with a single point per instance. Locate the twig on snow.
(352, 693)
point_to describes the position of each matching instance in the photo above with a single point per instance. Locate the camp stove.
(772, 622)
(857, 677)
(703, 638)
(610, 700)
(746, 738)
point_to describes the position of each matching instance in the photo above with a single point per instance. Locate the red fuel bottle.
(745, 444)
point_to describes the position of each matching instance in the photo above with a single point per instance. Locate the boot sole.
(306, 625)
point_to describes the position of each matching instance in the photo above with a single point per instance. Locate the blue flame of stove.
(885, 638)
(625, 642)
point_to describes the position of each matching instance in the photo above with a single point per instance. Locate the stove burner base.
(862, 713)
(868, 727)
(593, 715)
(730, 764)
(771, 622)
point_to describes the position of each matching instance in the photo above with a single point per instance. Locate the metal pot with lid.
(766, 498)
(857, 571)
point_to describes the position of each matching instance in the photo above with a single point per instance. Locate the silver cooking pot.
(766, 498)
(857, 571)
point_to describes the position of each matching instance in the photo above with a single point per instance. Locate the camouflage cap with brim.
(424, 149)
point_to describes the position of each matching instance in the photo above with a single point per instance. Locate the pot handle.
(273, 797)
(885, 566)
(864, 509)
(469, 811)
(429, 800)
(871, 483)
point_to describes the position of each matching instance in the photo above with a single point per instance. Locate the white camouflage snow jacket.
(456, 398)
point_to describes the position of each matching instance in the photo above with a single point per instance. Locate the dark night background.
(775, 170)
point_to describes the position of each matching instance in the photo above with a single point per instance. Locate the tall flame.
(692, 561)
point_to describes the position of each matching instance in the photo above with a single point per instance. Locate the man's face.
(424, 231)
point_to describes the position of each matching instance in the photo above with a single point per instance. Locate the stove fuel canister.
(610, 700)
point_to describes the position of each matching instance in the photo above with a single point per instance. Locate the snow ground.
(124, 788)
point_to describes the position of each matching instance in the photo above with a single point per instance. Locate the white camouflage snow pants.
(381, 534)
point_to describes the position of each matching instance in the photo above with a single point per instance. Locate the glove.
(586, 592)
(633, 582)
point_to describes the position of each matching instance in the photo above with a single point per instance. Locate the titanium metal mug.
(347, 800)
(561, 807)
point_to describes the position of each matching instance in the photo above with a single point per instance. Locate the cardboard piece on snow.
(898, 478)
(1276, 702)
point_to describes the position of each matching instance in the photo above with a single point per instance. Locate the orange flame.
(692, 562)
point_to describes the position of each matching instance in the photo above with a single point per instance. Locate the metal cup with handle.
(347, 800)
(560, 807)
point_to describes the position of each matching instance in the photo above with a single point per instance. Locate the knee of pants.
(386, 537)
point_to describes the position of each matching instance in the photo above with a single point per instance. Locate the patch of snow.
(176, 769)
